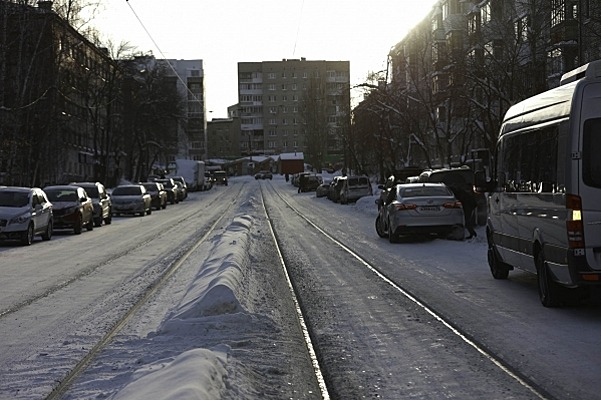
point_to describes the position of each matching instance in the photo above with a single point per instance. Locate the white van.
(545, 199)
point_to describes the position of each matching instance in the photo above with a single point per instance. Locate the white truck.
(193, 172)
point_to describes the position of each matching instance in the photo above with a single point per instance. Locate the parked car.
(322, 189)
(24, 213)
(423, 209)
(355, 187)
(170, 188)
(335, 188)
(308, 183)
(220, 178)
(183, 188)
(264, 175)
(158, 195)
(72, 208)
(103, 206)
(131, 199)
(208, 181)
(180, 191)
(461, 178)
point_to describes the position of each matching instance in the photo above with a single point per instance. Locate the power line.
(161, 52)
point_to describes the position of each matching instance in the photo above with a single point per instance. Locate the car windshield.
(151, 188)
(424, 191)
(127, 191)
(58, 195)
(167, 184)
(13, 199)
(358, 181)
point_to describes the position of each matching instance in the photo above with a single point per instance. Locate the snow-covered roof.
(292, 156)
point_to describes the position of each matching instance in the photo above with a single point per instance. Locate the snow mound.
(210, 303)
(194, 374)
(213, 291)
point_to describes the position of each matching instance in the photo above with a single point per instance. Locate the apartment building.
(457, 72)
(59, 100)
(294, 105)
(188, 76)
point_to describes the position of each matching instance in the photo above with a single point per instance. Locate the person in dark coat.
(469, 204)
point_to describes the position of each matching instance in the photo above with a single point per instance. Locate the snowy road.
(224, 325)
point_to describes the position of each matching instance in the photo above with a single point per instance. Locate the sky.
(225, 32)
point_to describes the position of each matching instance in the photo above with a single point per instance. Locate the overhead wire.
(300, 19)
(161, 52)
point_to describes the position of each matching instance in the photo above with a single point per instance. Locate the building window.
(558, 12)
(271, 75)
(485, 13)
(521, 30)
(272, 86)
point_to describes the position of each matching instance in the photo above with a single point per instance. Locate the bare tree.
(314, 114)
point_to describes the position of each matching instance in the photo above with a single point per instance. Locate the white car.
(131, 199)
(420, 209)
(24, 213)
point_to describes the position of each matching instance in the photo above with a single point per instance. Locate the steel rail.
(499, 363)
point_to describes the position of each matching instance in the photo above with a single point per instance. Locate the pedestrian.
(287, 177)
(469, 204)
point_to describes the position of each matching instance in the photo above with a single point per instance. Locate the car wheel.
(78, 227)
(392, 236)
(379, 228)
(47, 235)
(498, 269)
(549, 291)
(90, 225)
(27, 236)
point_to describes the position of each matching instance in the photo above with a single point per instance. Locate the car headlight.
(21, 219)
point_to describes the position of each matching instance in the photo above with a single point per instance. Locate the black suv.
(103, 206)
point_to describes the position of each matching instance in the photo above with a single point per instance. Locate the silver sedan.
(131, 199)
(422, 209)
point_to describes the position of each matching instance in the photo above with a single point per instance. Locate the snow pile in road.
(210, 302)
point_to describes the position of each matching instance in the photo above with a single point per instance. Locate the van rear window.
(591, 162)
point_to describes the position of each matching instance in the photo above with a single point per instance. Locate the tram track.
(407, 294)
(81, 366)
(155, 272)
(149, 238)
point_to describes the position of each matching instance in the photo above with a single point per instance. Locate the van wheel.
(549, 291)
(379, 228)
(497, 268)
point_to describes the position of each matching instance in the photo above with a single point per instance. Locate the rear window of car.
(424, 191)
(358, 181)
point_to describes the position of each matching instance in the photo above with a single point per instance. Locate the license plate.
(429, 208)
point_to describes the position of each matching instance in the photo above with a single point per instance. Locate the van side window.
(529, 162)
(591, 146)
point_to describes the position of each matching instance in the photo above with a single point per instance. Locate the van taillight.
(574, 223)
